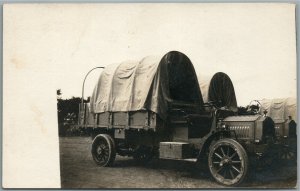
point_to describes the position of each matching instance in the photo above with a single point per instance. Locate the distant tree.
(58, 93)
(68, 109)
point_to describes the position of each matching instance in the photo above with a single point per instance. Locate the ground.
(78, 170)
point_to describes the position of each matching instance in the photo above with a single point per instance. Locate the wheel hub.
(225, 161)
(101, 149)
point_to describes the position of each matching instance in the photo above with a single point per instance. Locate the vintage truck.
(154, 107)
(283, 112)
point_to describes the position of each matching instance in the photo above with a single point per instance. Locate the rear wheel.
(228, 162)
(288, 154)
(103, 150)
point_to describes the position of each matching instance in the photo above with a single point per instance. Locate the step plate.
(187, 159)
(174, 150)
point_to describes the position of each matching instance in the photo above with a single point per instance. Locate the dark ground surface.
(78, 170)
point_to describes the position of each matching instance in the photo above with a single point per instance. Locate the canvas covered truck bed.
(143, 94)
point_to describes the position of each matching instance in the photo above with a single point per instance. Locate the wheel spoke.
(227, 151)
(218, 155)
(233, 155)
(222, 152)
(288, 154)
(235, 161)
(100, 157)
(231, 174)
(105, 153)
(216, 162)
(225, 173)
(105, 157)
(293, 155)
(236, 169)
(220, 169)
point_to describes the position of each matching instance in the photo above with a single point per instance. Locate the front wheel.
(288, 154)
(228, 162)
(103, 150)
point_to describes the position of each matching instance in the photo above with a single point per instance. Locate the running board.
(187, 159)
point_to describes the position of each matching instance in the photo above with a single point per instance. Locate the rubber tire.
(242, 152)
(112, 149)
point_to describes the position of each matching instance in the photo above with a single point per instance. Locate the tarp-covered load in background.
(280, 109)
(147, 84)
(219, 90)
(203, 81)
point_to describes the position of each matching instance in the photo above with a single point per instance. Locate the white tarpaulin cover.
(204, 86)
(147, 84)
(280, 109)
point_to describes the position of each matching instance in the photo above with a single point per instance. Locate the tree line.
(67, 111)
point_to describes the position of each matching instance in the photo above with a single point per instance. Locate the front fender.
(208, 140)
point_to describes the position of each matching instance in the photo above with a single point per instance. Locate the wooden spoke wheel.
(103, 150)
(288, 153)
(228, 162)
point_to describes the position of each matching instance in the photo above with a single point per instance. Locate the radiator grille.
(242, 131)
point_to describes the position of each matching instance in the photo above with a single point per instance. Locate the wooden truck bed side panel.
(85, 119)
(142, 119)
(103, 119)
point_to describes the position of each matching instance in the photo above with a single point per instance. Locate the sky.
(253, 44)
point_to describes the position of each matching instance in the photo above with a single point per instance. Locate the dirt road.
(78, 170)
